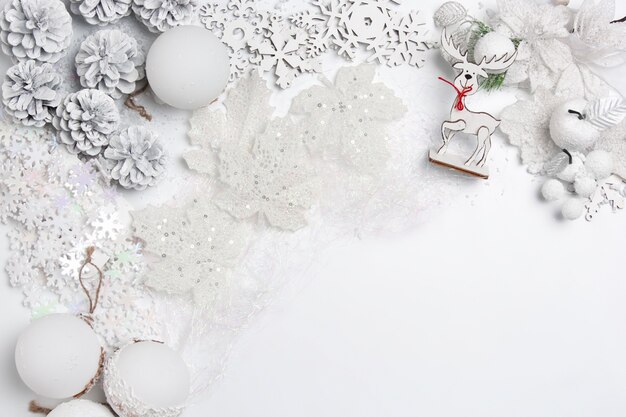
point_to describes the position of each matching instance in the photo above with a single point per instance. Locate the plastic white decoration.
(59, 356)
(101, 12)
(363, 107)
(35, 29)
(161, 15)
(110, 61)
(606, 113)
(146, 379)
(81, 408)
(196, 248)
(30, 93)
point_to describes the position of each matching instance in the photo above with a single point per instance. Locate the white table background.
(493, 308)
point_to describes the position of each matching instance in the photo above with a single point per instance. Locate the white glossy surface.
(187, 67)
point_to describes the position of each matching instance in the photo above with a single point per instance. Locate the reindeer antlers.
(447, 43)
(498, 64)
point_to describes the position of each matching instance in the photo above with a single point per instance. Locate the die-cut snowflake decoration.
(57, 207)
(391, 37)
(283, 53)
(235, 23)
(196, 247)
(611, 193)
(349, 119)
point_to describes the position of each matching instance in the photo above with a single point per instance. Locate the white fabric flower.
(30, 93)
(110, 61)
(35, 29)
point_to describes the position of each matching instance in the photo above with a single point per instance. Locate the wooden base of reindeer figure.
(463, 120)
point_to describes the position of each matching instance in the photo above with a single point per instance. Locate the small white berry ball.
(553, 190)
(585, 186)
(570, 129)
(573, 170)
(81, 408)
(573, 209)
(600, 164)
(493, 45)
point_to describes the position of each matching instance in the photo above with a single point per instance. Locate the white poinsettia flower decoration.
(86, 120)
(30, 93)
(101, 12)
(35, 29)
(134, 158)
(161, 15)
(110, 61)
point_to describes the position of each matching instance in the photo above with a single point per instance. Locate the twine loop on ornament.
(93, 302)
(131, 104)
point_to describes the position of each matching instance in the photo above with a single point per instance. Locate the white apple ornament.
(570, 129)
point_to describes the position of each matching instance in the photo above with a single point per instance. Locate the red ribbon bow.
(460, 95)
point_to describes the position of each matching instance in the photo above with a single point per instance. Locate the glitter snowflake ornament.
(362, 107)
(30, 93)
(161, 15)
(196, 247)
(35, 29)
(86, 120)
(110, 61)
(101, 12)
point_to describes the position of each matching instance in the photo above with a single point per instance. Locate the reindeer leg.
(487, 148)
(481, 136)
(452, 129)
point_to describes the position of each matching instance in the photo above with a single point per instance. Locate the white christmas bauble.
(553, 190)
(81, 408)
(569, 128)
(600, 164)
(493, 45)
(147, 379)
(573, 209)
(187, 67)
(585, 186)
(58, 356)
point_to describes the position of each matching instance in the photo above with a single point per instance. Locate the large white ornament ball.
(58, 356)
(600, 164)
(585, 186)
(553, 190)
(573, 209)
(146, 379)
(81, 408)
(187, 67)
(569, 131)
(493, 45)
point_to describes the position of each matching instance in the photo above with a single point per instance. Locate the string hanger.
(93, 302)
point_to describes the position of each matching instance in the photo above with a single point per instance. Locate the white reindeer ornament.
(463, 120)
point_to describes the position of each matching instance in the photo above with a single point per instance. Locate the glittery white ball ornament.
(81, 408)
(569, 128)
(146, 379)
(600, 164)
(493, 45)
(585, 186)
(573, 209)
(187, 67)
(553, 190)
(59, 356)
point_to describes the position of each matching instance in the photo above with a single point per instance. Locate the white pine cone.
(30, 93)
(101, 12)
(85, 121)
(161, 15)
(35, 29)
(110, 61)
(134, 158)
